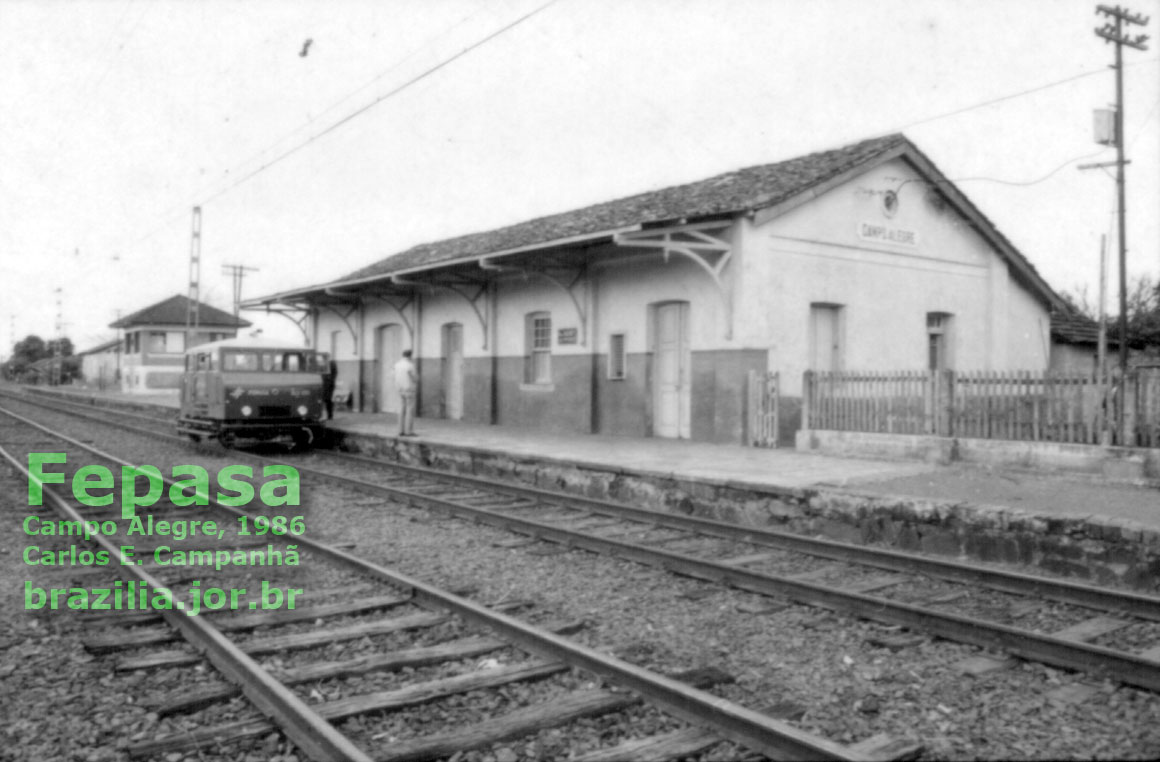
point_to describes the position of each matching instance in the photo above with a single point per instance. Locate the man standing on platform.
(407, 382)
(329, 378)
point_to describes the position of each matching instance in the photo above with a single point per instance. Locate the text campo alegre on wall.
(143, 486)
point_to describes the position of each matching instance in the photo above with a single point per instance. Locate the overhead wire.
(428, 72)
(390, 94)
(1020, 94)
(173, 215)
(348, 96)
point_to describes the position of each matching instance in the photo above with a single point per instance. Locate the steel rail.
(753, 730)
(1126, 668)
(1064, 591)
(302, 725)
(1075, 593)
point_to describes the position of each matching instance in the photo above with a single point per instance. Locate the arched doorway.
(388, 351)
(452, 375)
(671, 371)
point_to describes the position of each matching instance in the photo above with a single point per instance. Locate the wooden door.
(388, 351)
(453, 370)
(826, 347)
(671, 408)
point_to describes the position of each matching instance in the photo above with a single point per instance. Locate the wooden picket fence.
(891, 403)
(1146, 407)
(764, 396)
(1014, 405)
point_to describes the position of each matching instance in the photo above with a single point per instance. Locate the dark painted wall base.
(581, 399)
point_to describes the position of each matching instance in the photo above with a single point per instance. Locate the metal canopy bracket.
(296, 315)
(570, 280)
(344, 317)
(462, 289)
(408, 300)
(705, 243)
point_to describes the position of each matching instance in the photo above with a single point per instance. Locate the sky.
(319, 137)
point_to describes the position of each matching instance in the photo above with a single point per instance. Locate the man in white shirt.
(406, 381)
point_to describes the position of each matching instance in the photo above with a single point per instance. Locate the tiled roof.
(722, 196)
(172, 311)
(733, 192)
(1074, 328)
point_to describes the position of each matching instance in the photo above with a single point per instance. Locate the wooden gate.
(764, 392)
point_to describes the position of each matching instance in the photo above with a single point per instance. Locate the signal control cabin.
(644, 316)
(153, 347)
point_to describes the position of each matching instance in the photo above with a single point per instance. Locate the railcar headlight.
(303, 410)
(247, 410)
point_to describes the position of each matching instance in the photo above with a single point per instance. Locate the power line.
(172, 216)
(1012, 96)
(360, 111)
(1143, 124)
(1030, 182)
(426, 43)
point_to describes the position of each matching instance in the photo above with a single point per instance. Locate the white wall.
(814, 253)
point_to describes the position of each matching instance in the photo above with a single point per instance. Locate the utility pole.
(238, 273)
(56, 352)
(120, 349)
(192, 318)
(1113, 32)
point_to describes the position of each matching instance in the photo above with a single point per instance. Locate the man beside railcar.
(406, 381)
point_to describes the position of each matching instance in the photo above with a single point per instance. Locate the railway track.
(1103, 632)
(356, 601)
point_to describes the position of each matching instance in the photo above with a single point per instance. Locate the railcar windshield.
(272, 361)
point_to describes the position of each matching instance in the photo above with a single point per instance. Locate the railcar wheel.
(195, 438)
(228, 440)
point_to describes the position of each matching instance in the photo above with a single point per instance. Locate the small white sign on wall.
(879, 233)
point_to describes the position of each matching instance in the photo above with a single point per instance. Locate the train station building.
(651, 315)
(153, 345)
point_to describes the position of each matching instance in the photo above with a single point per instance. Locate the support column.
(360, 356)
(491, 335)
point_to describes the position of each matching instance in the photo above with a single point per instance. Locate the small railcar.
(248, 389)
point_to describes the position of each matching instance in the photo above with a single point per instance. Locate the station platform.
(1069, 523)
(1062, 495)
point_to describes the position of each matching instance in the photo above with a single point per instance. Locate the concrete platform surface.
(1062, 495)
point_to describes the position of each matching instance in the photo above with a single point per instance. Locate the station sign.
(879, 233)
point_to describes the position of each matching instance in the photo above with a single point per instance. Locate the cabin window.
(617, 367)
(155, 342)
(239, 360)
(245, 360)
(538, 348)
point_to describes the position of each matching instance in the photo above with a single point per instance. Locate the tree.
(66, 347)
(31, 349)
(1143, 310)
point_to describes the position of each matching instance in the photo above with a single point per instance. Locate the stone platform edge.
(1095, 549)
(1137, 466)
